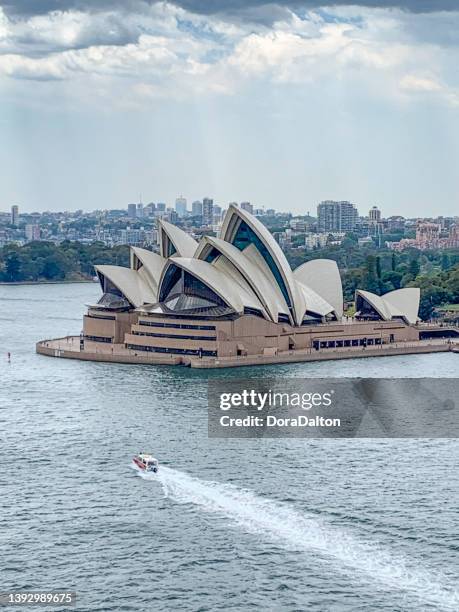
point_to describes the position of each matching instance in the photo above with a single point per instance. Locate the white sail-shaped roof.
(253, 254)
(273, 255)
(246, 272)
(402, 303)
(135, 289)
(258, 277)
(314, 302)
(376, 301)
(218, 280)
(249, 298)
(149, 265)
(405, 303)
(183, 245)
(322, 275)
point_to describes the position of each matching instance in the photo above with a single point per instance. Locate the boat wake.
(297, 530)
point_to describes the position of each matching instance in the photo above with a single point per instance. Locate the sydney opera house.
(235, 297)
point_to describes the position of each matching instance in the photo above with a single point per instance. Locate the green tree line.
(45, 261)
(376, 270)
(436, 272)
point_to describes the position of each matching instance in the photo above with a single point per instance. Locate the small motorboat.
(146, 462)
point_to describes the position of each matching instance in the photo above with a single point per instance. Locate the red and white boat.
(146, 462)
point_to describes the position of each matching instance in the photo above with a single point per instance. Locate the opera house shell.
(236, 295)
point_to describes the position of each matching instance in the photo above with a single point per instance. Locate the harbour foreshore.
(69, 348)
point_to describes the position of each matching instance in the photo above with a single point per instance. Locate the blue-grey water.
(317, 525)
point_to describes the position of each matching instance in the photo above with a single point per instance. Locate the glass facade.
(253, 311)
(114, 301)
(112, 297)
(311, 318)
(183, 292)
(212, 254)
(366, 311)
(243, 238)
(283, 318)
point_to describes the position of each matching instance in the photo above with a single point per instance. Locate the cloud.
(427, 85)
(412, 82)
(212, 7)
(416, 6)
(164, 51)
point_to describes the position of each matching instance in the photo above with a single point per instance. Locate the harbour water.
(317, 525)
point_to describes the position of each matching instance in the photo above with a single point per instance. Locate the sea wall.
(326, 355)
(69, 348)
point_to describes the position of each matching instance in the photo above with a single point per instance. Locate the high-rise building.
(207, 211)
(196, 208)
(180, 206)
(15, 214)
(374, 215)
(336, 216)
(247, 206)
(160, 206)
(428, 235)
(132, 211)
(32, 232)
(139, 210)
(173, 215)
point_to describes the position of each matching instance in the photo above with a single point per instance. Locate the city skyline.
(285, 104)
(138, 225)
(362, 210)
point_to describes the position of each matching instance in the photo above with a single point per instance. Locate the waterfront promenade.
(69, 347)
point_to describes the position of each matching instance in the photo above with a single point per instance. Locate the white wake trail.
(282, 524)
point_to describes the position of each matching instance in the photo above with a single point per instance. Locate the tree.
(445, 264)
(414, 267)
(453, 286)
(371, 276)
(13, 264)
(352, 279)
(56, 266)
(431, 297)
(378, 267)
(393, 279)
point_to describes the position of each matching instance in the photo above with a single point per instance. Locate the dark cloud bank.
(37, 7)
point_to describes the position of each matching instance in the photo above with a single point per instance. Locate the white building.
(180, 206)
(316, 241)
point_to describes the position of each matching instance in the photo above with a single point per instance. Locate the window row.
(178, 325)
(175, 351)
(320, 344)
(98, 339)
(177, 336)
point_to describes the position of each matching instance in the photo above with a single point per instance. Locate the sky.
(283, 104)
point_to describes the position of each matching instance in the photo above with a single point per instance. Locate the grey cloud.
(35, 7)
(41, 7)
(111, 30)
(417, 6)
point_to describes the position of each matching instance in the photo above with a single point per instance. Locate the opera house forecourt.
(234, 300)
